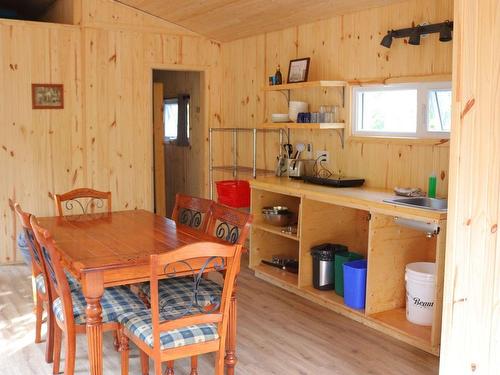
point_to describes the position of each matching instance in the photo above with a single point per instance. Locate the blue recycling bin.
(355, 283)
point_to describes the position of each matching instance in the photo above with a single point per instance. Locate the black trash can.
(324, 265)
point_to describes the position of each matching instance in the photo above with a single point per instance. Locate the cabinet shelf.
(277, 275)
(396, 319)
(304, 85)
(241, 169)
(274, 229)
(304, 126)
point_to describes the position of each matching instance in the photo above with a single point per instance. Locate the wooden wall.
(347, 48)
(103, 137)
(471, 311)
(185, 165)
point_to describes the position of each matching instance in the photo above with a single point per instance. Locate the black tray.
(333, 181)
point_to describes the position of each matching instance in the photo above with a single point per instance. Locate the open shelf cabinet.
(387, 246)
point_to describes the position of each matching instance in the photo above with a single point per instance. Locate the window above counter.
(403, 110)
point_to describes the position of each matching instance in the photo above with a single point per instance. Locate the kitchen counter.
(363, 198)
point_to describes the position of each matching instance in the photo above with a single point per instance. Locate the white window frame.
(423, 89)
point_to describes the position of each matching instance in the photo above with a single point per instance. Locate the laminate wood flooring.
(278, 333)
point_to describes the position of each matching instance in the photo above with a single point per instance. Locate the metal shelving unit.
(235, 168)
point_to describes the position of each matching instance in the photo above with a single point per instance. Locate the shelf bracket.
(341, 134)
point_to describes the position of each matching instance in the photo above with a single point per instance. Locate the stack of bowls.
(295, 108)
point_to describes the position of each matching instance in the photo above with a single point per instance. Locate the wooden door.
(159, 150)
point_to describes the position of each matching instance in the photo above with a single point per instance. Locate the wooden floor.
(278, 332)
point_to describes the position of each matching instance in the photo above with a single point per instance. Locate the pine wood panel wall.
(41, 151)
(103, 137)
(471, 320)
(346, 48)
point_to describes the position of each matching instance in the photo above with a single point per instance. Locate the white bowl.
(294, 108)
(280, 117)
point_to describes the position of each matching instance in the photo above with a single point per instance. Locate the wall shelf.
(305, 85)
(303, 126)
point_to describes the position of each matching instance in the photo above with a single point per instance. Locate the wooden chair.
(84, 199)
(229, 224)
(191, 211)
(39, 276)
(225, 223)
(171, 331)
(69, 306)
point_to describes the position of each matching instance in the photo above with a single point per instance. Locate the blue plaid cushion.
(139, 324)
(114, 301)
(73, 283)
(179, 291)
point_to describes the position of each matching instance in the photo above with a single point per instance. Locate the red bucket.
(234, 193)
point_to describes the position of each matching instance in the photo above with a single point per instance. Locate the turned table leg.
(93, 289)
(231, 359)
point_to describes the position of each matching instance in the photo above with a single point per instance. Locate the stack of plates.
(280, 117)
(295, 108)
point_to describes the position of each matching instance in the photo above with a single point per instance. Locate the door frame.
(204, 115)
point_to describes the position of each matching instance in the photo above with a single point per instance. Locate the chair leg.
(170, 368)
(158, 368)
(124, 350)
(57, 348)
(194, 365)
(144, 363)
(70, 353)
(219, 362)
(49, 349)
(38, 324)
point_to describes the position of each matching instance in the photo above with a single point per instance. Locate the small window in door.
(171, 118)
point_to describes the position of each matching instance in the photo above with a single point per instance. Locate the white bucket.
(420, 291)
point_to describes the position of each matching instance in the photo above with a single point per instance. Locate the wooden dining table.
(109, 249)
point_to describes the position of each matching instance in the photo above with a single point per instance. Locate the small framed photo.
(47, 96)
(298, 70)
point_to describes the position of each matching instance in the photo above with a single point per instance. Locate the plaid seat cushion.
(73, 283)
(139, 324)
(179, 291)
(114, 301)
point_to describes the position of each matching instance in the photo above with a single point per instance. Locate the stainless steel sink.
(421, 202)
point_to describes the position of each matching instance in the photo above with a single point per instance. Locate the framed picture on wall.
(47, 96)
(298, 70)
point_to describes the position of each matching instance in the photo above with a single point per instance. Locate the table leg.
(231, 359)
(93, 289)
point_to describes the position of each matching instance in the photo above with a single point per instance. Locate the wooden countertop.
(362, 198)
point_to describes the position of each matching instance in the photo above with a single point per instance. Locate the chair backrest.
(59, 287)
(82, 201)
(229, 224)
(191, 211)
(37, 263)
(194, 259)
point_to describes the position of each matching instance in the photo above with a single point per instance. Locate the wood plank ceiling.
(227, 20)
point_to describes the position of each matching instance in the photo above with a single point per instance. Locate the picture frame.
(298, 70)
(47, 96)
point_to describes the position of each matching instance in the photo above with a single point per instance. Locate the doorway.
(178, 137)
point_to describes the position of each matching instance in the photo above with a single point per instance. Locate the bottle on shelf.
(278, 79)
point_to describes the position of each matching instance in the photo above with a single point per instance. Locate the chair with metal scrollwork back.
(173, 328)
(229, 224)
(41, 293)
(83, 200)
(191, 211)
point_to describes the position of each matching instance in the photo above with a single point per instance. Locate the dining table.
(114, 248)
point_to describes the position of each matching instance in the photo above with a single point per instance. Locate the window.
(421, 110)
(170, 118)
(176, 120)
